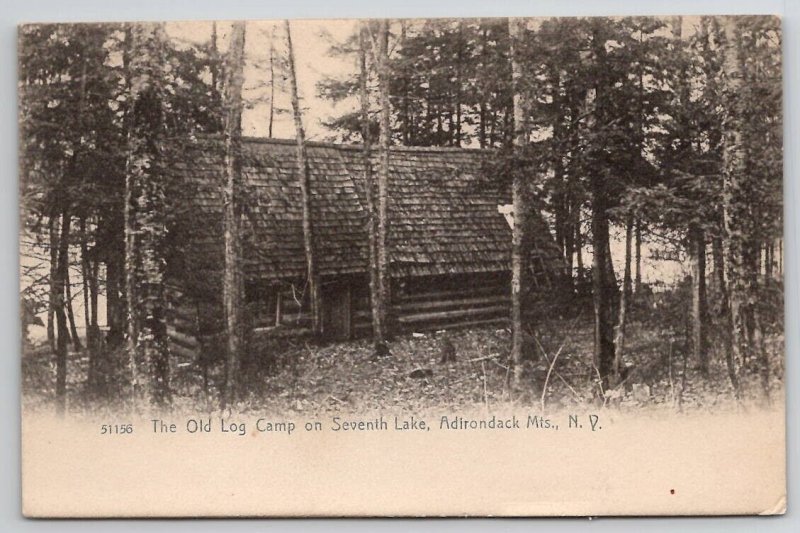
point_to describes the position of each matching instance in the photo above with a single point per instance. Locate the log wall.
(418, 304)
(444, 302)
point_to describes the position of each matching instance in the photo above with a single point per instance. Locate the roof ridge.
(402, 148)
(349, 147)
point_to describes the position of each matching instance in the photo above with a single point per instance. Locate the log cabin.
(448, 241)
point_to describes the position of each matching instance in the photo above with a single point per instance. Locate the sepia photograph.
(367, 263)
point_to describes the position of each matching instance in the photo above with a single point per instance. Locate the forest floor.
(309, 378)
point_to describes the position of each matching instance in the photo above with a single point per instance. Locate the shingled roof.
(273, 241)
(443, 217)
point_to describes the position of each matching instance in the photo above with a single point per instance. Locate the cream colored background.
(716, 464)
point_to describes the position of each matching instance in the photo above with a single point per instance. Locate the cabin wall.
(438, 302)
(452, 301)
(418, 304)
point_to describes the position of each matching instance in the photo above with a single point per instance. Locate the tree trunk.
(233, 283)
(696, 235)
(68, 285)
(604, 287)
(146, 225)
(768, 263)
(569, 237)
(637, 284)
(727, 337)
(459, 64)
(754, 337)
(383, 168)
(482, 92)
(271, 82)
(520, 210)
(304, 175)
(116, 303)
(451, 127)
(578, 242)
(560, 196)
(60, 313)
(508, 129)
(73, 330)
(89, 275)
(697, 244)
(719, 262)
(377, 304)
(733, 173)
(560, 221)
(94, 336)
(214, 58)
(53, 226)
(611, 277)
(85, 275)
(758, 346)
(94, 291)
(625, 299)
(492, 125)
(61, 357)
(214, 67)
(131, 267)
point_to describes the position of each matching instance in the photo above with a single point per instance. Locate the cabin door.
(336, 319)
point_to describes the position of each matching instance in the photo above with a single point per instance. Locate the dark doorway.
(337, 321)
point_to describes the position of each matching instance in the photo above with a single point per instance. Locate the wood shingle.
(443, 216)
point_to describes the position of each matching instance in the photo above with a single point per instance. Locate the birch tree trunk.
(73, 175)
(271, 82)
(697, 255)
(578, 242)
(73, 329)
(94, 271)
(458, 82)
(569, 240)
(312, 274)
(89, 307)
(93, 337)
(727, 337)
(515, 31)
(131, 266)
(696, 236)
(560, 196)
(625, 300)
(482, 91)
(214, 67)
(383, 172)
(85, 274)
(118, 277)
(741, 216)
(52, 225)
(146, 225)
(637, 284)
(733, 171)
(62, 328)
(233, 283)
(377, 304)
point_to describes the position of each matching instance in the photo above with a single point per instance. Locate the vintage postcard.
(418, 267)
